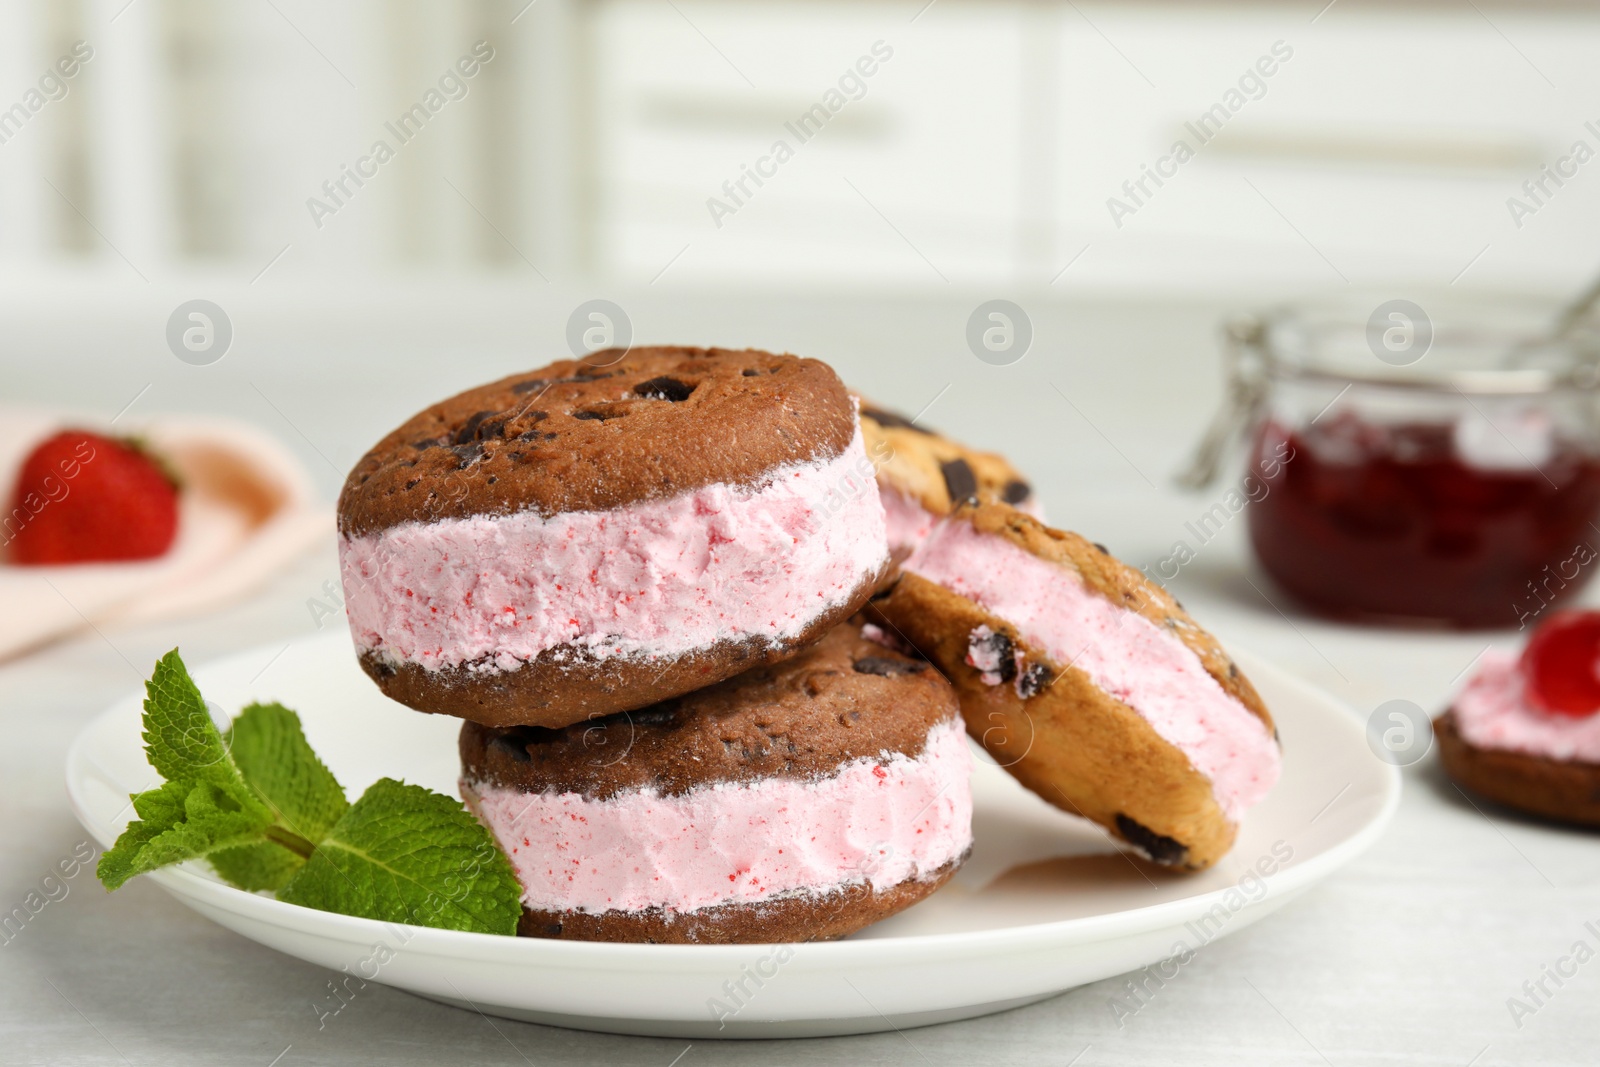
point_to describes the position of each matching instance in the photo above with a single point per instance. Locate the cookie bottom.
(1561, 790)
(782, 921)
(565, 685)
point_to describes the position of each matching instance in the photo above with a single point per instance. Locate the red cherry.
(1561, 665)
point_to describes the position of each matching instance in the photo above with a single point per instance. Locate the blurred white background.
(1384, 145)
(935, 154)
(186, 158)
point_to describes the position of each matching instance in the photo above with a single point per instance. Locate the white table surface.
(1409, 956)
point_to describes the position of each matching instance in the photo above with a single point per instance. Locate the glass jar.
(1437, 465)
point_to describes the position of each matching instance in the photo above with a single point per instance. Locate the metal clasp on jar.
(1248, 364)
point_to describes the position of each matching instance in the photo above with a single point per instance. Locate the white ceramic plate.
(1044, 905)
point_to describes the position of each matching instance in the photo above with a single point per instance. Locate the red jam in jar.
(1432, 461)
(1401, 519)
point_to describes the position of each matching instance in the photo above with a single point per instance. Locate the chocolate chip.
(1016, 491)
(469, 429)
(891, 420)
(885, 667)
(750, 372)
(591, 416)
(959, 479)
(995, 644)
(1233, 670)
(1163, 850)
(426, 443)
(529, 385)
(664, 389)
(468, 453)
(1033, 680)
(1104, 551)
(535, 418)
(509, 745)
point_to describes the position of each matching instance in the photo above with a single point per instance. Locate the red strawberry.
(1561, 665)
(86, 498)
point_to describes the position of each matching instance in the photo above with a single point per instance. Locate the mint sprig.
(267, 814)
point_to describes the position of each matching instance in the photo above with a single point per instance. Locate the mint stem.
(291, 841)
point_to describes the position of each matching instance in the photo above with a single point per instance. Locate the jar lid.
(1485, 345)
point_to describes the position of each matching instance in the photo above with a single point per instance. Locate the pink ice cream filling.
(654, 579)
(1141, 664)
(1491, 712)
(876, 822)
(909, 523)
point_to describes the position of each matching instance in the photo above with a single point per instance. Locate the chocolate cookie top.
(933, 470)
(1119, 583)
(599, 433)
(844, 699)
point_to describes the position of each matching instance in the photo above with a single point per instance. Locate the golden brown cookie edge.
(1074, 745)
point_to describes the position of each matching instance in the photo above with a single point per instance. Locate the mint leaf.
(268, 814)
(403, 853)
(204, 806)
(263, 865)
(162, 809)
(179, 737)
(270, 749)
(182, 821)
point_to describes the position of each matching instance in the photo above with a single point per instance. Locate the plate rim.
(191, 887)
